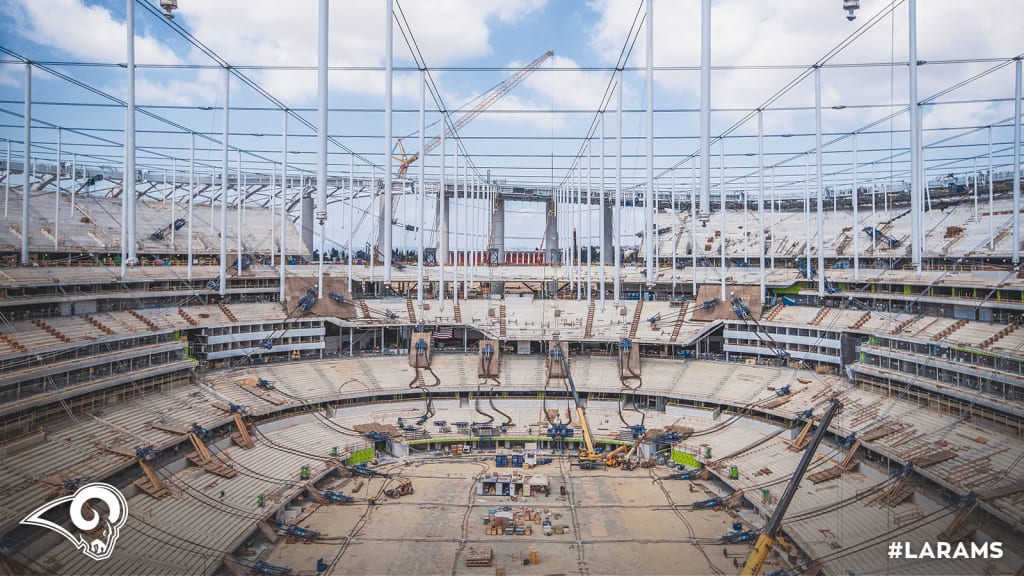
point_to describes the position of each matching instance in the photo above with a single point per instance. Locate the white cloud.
(801, 32)
(87, 32)
(274, 33)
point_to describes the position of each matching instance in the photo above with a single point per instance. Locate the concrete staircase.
(52, 331)
(191, 321)
(679, 321)
(410, 309)
(861, 321)
(502, 322)
(588, 331)
(998, 336)
(821, 316)
(637, 314)
(458, 314)
(227, 312)
(99, 325)
(949, 330)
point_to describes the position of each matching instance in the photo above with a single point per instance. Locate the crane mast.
(770, 533)
(493, 96)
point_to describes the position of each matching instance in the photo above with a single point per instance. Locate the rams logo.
(96, 535)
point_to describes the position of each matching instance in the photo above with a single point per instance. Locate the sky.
(531, 136)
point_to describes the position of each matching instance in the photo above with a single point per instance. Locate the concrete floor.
(623, 518)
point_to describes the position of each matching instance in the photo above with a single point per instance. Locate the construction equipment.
(404, 488)
(336, 497)
(241, 437)
(162, 233)
(299, 533)
(878, 236)
(768, 536)
(269, 569)
(150, 482)
(588, 454)
(743, 313)
(243, 264)
(486, 102)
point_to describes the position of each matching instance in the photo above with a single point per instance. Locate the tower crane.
(488, 100)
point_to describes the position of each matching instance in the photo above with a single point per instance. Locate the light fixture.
(851, 7)
(169, 7)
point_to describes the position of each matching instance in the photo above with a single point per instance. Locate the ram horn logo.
(97, 535)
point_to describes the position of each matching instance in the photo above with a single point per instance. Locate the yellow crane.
(499, 91)
(770, 535)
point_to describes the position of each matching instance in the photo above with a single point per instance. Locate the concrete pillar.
(551, 250)
(607, 250)
(442, 249)
(498, 235)
(307, 221)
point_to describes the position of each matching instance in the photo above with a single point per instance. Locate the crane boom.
(493, 96)
(771, 530)
(590, 454)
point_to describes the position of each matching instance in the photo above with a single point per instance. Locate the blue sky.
(509, 33)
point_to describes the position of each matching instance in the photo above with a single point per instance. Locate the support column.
(856, 215)
(129, 137)
(191, 196)
(498, 235)
(284, 200)
(760, 198)
(321, 138)
(442, 207)
(388, 66)
(422, 193)
(1016, 167)
(705, 111)
(225, 88)
(650, 201)
(915, 143)
(26, 191)
(618, 187)
(605, 217)
(817, 182)
(307, 220)
(551, 251)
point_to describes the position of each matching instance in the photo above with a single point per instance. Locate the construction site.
(398, 300)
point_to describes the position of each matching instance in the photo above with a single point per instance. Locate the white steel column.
(705, 110)
(674, 222)
(772, 216)
(7, 179)
(760, 197)
(974, 172)
(1016, 167)
(856, 215)
(225, 88)
(350, 217)
(915, 143)
(991, 195)
(74, 177)
(321, 136)
(442, 210)
(26, 191)
(693, 222)
(601, 221)
(721, 192)
(618, 188)
(129, 136)
(807, 215)
(56, 199)
(590, 218)
(649, 201)
(423, 194)
(458, 228)
(239, 200)
(284, 202)
(388, 72)
(191, 195)
(271, 203)
(174, 188)
(817, 182)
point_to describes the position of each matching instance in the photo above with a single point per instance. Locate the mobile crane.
(770, 535)
(588, 455)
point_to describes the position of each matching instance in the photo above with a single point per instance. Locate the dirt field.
(619, 522)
